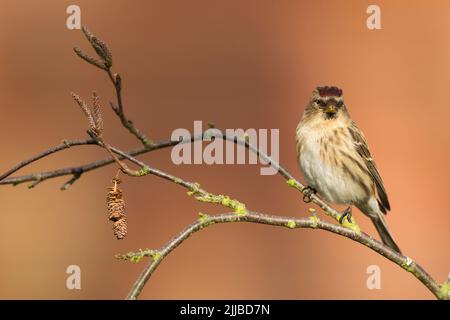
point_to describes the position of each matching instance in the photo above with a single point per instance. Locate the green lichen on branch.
(204, 196)
(351, 225)
(148, 143)
(444, 290)
(315, 221)
(202, 217)
(205, 220)
(408, 265)
(139, 255)
(291, 224)
(294, 184)
(143, 171)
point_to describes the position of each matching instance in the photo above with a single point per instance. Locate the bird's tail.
(382, 228)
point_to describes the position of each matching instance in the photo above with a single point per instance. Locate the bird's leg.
(307, 192)
(347, 213)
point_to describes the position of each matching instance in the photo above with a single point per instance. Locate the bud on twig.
(118, 81)
(100, 48)
(89, 59)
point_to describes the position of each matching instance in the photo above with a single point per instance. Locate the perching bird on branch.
(336, 162)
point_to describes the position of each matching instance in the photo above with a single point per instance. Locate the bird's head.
(327, 102)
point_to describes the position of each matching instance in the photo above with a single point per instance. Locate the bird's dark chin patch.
(329, 116)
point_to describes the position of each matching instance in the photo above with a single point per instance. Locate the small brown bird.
(335, 159)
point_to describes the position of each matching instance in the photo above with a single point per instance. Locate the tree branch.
(82, 168)
(157, 256)
(65, 145)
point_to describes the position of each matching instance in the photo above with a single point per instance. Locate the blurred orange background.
(239, 64)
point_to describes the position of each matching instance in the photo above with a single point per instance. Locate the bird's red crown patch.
(329, 91)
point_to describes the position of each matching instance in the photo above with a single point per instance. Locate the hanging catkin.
(116, 210)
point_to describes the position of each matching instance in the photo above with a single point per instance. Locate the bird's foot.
(307, 193)
(347, 213)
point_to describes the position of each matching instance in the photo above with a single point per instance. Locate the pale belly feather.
(331, 181)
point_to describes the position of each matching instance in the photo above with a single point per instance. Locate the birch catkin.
(116, 210)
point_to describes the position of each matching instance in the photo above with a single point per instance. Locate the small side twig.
(70, 182)
(119, 110)
(105, 63)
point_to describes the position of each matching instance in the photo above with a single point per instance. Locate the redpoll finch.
(335, 159)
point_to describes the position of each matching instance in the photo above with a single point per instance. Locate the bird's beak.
(330, 109)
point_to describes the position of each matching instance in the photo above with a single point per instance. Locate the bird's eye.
(340, 104)
(319, 102)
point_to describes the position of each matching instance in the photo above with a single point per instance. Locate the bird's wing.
(363, 150)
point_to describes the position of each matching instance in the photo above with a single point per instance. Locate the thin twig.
(128, 124)
(70, 182)
(66, 144)
(105, 63)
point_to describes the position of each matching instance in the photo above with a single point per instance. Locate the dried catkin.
(120, 228)
(116, 210)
